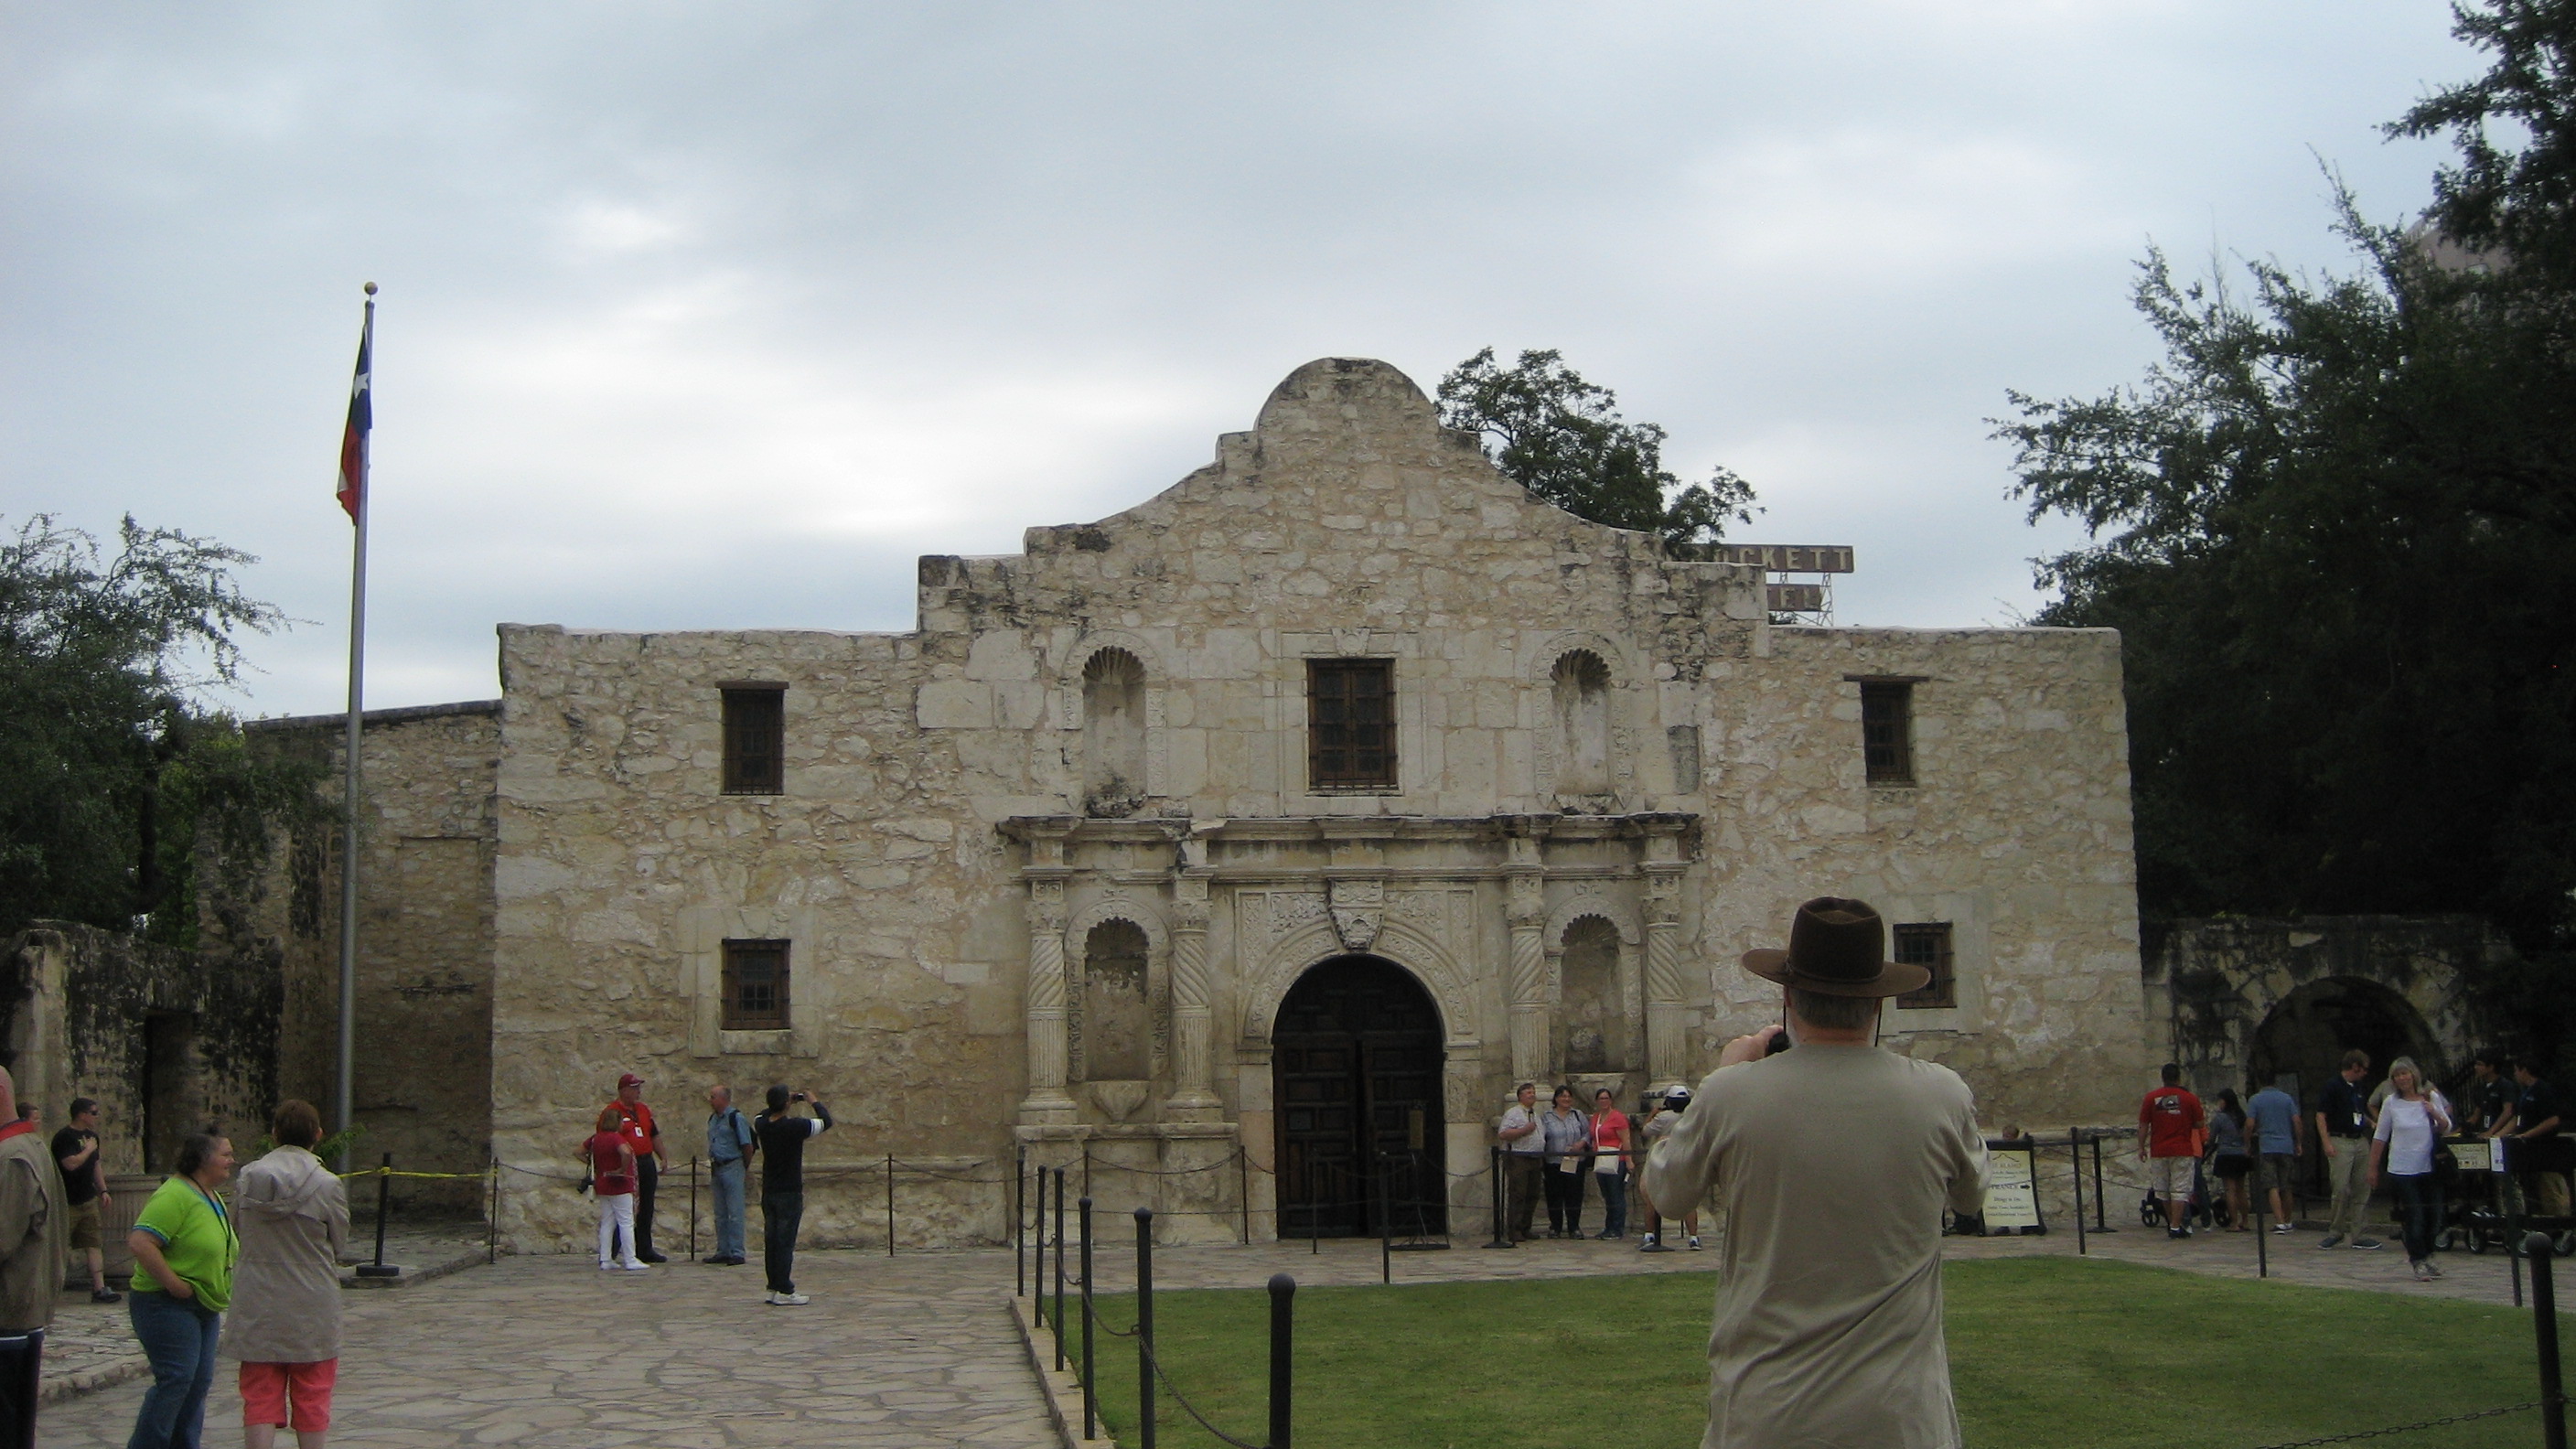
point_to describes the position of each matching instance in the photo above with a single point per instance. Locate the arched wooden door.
(1356, 1085)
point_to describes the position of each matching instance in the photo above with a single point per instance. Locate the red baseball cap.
(630, 1080)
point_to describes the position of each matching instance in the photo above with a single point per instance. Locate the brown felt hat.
(1837, 948)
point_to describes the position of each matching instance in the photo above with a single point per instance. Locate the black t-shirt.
(2488, 1099)
(80, 1184)
(2346, 1107)
(2534, 1105)
(782, 1149)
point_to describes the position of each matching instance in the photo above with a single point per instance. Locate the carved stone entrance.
(1356, 1076)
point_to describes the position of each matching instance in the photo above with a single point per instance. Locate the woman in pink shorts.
(293, 1218)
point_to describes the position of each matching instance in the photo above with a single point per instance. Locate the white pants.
(616, 1216)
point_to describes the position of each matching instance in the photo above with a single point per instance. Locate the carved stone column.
(1046, 873)
(1525, 908)
(1191, 1100)
(1668, 1056)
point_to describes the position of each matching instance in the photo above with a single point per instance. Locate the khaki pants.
(2349, 1171)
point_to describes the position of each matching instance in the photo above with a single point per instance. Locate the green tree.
(2336, 525)
(116, 783)
(1563, 439)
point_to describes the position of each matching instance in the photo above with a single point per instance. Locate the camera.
(797, 1097)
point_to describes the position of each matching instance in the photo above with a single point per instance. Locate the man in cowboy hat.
(1834, 1161)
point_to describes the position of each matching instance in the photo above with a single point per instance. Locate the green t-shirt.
(196, 1235)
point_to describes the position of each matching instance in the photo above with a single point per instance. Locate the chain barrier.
(1192, 1409)
(2406, 1428)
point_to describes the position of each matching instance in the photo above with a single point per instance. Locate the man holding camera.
(1834, 1161)
(781, 1143)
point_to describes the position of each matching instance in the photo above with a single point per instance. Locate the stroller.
(2203, 1209)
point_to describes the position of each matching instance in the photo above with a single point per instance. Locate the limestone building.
(1301, 809)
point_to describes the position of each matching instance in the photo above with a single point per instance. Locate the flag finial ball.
(371, 289)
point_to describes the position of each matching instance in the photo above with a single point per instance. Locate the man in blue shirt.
(729, 1141)
(2343, 1132)
(2277, 1137)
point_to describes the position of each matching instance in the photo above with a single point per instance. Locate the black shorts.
(2234, 1166)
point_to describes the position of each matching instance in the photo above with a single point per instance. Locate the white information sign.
(2012, 1197)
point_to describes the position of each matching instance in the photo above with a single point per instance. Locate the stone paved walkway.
(911, 1351)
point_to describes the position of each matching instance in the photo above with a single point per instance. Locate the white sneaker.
(789, 1300)
(606, 1266)
(1694, 1242)
(635, 1267)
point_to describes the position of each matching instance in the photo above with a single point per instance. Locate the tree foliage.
(1563, 439)
(2336, 525)
(115, 780)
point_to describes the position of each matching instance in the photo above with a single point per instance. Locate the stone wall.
(422, 1086)
(2240, 1001)
(169, 1042)
(963, 804)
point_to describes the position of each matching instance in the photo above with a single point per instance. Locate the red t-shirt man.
(2170, 1119)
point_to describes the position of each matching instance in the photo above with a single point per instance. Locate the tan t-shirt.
(1832, 1164)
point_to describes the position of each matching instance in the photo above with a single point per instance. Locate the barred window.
(1350, 723)
(1887, 732)
(1928, 945)
(755, 740)
(755, 986)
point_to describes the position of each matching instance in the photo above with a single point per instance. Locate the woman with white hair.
(2411, 1122)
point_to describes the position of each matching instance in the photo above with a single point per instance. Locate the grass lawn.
(2044, 1352)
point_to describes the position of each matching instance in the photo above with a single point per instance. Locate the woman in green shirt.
(184, 1250)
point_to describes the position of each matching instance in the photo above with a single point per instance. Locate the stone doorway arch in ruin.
(1357, 1066)
(2302, 1039)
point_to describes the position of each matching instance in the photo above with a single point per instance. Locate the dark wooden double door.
(1356, 1085)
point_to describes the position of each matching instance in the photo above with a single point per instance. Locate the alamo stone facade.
(1247, 846)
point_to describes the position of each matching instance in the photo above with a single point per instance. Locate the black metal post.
(2262, 1233)
(384, 1208)
(1037, 1222)
(2075, 1153)
(1019, 1229)
(1243, 1189)
(492, 1218)
(1059, 1270)
(2544, 1311)
(889, 1204)
(1502, 1236)
(1090, 1387)
(1385, 1222)
(693, 1207)
(1283, 1338)
(2099, 1225)
(1145, 1326)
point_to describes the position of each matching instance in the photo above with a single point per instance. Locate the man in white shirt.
(1834, 1161)
(1524, 1159)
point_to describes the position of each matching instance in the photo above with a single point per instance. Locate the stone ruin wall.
(1345, 522)
(422, 1085)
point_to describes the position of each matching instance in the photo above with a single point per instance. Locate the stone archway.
(2300, 1042)
(1357, 1070)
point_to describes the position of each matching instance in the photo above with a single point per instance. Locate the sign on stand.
(2012, 1187)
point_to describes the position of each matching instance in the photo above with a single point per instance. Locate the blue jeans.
(1614, 1201)
(726, 1177)
(179, 1338)
(780, 1215)
(2421, 1195)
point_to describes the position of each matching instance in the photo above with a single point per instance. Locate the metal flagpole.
(361, 505)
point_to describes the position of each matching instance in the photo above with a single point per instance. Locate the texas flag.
(353, 440)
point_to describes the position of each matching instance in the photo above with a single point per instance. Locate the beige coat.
(293, 1218)
(1832, 1164)
(34, 1227)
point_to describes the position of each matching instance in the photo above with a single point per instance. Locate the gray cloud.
(706, 316)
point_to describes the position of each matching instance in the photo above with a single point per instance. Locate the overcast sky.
(709, 316)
